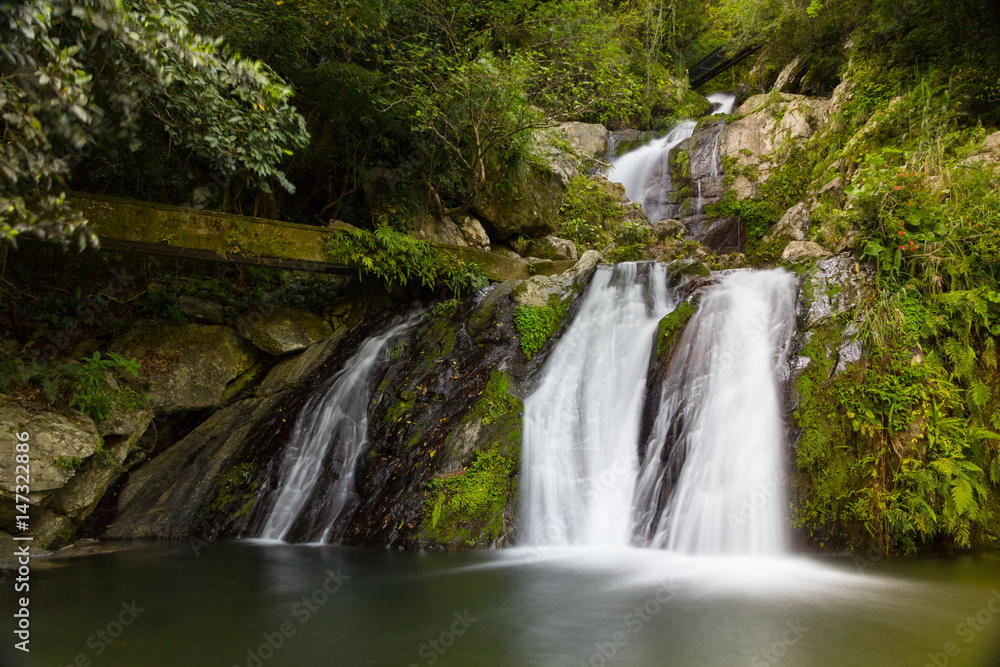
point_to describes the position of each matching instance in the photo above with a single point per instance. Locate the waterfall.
(712, 481)
(329, 435)
(581, 424)
(645, 171)
(722, 103)
(638, 170)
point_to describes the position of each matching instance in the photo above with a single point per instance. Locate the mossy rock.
(185, 366)
(465, 505)
(284, 331)
(670, 328)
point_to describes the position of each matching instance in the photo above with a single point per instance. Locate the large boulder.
(185, 366)
(588, 139)
(789, 77)
(79, 497)
(57, 444)
(536, 290)
(549, 146)
(766, 122)
(792, 225)
(438, 230)
(163, 498)
(548, 247)
(473, 232)
(293, 370)
(521, 205)
(990, 154)
(201, 310)
(285, 330)
(797, 251)
(63, 449)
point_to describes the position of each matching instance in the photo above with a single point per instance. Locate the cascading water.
(722, 103)
(712, 479)
(581, 424)
(645, 171)
(637, 171)
(329, 435)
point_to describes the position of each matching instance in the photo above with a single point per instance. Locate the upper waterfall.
(722, 103)
(645, 172)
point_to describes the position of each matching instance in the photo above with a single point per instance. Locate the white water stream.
(330, 432)
(719, 407)
(645, 171)
(581, 424)
(635, 170)
(721, 413)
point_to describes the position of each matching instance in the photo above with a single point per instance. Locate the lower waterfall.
(581, 424)
(720, 425)
(715, 449)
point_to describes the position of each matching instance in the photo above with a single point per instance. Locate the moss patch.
(536, 324)
(670, 328)
(234, 491)
(467, 509)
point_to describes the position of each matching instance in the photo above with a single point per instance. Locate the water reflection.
(526, 607)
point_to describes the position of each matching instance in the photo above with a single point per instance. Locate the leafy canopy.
(76, 74)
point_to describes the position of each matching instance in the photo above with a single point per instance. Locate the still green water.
(252, 604)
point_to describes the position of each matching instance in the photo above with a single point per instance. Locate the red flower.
(902, 247)
(901, 232)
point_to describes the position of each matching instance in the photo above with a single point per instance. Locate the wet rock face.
(429, 425)
(445, 424)
(690, 180)
(828, 293)
(167, 497)
(822, 348)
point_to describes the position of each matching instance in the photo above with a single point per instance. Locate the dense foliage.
(75, 76)
(410, 104)
(902, 451)
(400, 259)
